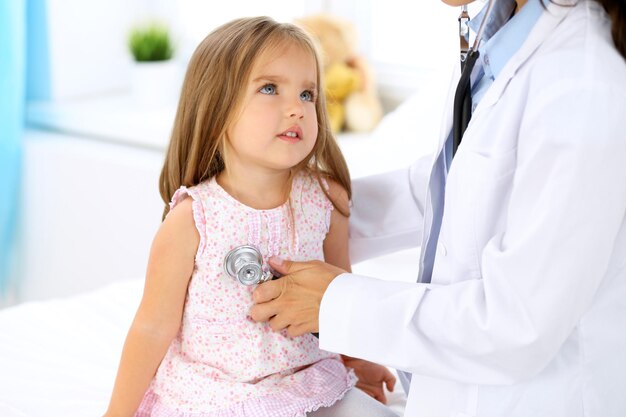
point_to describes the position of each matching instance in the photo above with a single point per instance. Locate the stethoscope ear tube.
(463, 101)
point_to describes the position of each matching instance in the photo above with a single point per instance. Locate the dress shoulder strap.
(198, 193)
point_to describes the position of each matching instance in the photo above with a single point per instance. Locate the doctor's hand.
(293, 301)
(371, 377)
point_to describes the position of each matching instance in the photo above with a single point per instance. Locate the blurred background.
(84, 124)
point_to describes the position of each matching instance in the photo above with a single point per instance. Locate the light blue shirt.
(497, 48)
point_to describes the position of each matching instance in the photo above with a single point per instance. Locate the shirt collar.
(502, 10)
(503, 35)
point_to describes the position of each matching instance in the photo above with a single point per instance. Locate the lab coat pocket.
(490, 190)
(476, 193)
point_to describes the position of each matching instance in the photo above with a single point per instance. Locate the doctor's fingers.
(263, 312)
(293, 310)
(268, 291)
(299, 330)
(376, 392)
(390, 381)
(272, 299)
(283, 320)
(285, 267)
(293, 323)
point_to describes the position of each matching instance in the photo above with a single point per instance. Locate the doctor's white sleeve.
(567, 205)
(387, 211)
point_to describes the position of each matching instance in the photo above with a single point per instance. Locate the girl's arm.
(336, 241)
(158, 318)
(371, 375)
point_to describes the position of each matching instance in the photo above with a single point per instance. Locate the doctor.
(520, 305)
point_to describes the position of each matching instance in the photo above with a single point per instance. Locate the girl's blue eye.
(307, 95)
(269, 89)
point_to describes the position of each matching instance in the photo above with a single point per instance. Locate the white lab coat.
(526, 312)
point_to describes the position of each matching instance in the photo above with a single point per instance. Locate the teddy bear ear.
(335, 37)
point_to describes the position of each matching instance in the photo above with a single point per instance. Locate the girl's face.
(277, 125)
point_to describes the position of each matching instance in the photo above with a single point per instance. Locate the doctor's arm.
(539, 277)
(371, 376)
(387, 211)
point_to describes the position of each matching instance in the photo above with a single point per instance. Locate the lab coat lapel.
(446, 122)
(546, 23)
(446, 127)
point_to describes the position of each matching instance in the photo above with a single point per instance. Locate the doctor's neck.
(518, 7)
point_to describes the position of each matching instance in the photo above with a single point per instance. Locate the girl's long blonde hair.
(212, 91)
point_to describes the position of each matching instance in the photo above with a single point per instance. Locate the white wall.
(89, 212)
(88, 39)
(87, 45)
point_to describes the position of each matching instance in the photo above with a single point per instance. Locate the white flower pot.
(156, 83)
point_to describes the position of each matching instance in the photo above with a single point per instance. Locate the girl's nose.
(295, 108)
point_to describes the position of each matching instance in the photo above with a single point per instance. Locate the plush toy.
(349, 85)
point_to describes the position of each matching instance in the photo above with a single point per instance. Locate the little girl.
(251, 162)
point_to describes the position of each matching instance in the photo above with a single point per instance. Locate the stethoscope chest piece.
(244, 263)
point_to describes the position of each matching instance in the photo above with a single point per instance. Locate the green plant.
(150, 42)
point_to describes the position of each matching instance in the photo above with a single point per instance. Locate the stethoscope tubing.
(463, 101)
(462, 108)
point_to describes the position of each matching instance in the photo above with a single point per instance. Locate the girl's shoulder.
(309, 183)
(198, 193)
(189, 204)
(339, 196)
(320, 188)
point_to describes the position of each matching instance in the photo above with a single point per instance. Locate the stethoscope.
(245, 265)
(463, 95)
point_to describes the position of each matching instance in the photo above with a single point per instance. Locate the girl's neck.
(259, 190)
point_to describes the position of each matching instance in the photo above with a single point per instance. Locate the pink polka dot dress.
(222, 363)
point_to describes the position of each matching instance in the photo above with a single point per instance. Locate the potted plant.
(155, 75)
